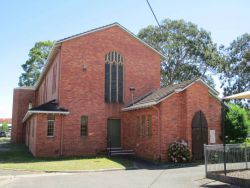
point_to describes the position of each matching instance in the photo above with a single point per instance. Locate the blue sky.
(25, 22)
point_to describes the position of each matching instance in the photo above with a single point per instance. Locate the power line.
(153, 14)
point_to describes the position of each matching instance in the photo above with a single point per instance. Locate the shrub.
(247, 141)
(214, 157)
(5, 127)
(178, 152)
(236, 124)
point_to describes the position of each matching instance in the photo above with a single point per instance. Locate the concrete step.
(114, 149)
(120, 151)
(117, 154)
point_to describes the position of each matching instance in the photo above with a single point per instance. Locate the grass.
(4, 139)
(19, 158)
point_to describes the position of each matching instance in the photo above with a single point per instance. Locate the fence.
(222, 163)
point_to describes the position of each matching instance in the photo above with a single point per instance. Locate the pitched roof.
(161, 94)
(51, 107)
(106, 27)
(58, 43)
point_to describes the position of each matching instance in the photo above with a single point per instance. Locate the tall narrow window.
(143, 122)
(138, 126)
(113, 77)
(84, 125)
(51, 125)
(149, 126)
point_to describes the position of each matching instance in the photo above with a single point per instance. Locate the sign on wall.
(212, 136)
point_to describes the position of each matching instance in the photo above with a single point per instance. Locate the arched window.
(113, 77)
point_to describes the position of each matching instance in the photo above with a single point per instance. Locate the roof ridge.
(142, 97)
(162, 93)
(88, 31)
(185, 81)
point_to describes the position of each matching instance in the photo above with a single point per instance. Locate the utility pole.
(154, 14)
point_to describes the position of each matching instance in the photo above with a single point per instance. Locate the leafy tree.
(189, 50)
(33, 66)
(247, 56)
(236, 69)
(236, 124)
(5, 127)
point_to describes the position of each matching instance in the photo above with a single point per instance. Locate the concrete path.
(189, 177)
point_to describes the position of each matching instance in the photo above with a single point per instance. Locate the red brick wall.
(209, 105)
(82, 92)
(21, 99)
(172, 121)
(176, 114)
(30, 139)
(215, 118)
(144, 147)
(48, 146)
(5, 120)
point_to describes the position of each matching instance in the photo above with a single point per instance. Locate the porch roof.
(51, 107)
(161, 94)
(243, 95)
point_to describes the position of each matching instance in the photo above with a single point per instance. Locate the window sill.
(50, 136)
(83, 137)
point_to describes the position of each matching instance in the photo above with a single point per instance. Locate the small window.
(149, 126)
(51, 125)
(143, 122)
(84, 126)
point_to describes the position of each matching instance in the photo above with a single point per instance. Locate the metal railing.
(229, 163)
(233, 157)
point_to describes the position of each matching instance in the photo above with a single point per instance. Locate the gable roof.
(51, 107)
(161, 94)
(106, 27)
(58, 43)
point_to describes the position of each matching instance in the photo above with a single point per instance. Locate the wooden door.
(199, 135)
(114, 133)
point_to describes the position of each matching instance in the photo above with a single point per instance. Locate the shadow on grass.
(153, 165)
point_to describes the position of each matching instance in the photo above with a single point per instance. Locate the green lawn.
(20, 158)
(4, 139)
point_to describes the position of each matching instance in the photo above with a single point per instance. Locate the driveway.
(141, 178)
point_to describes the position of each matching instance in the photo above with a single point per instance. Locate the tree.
(236, 124)
(5, 127)
(33, 66)
(189, 51)
(236, 69)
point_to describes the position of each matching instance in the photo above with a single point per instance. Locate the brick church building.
(101, 89)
